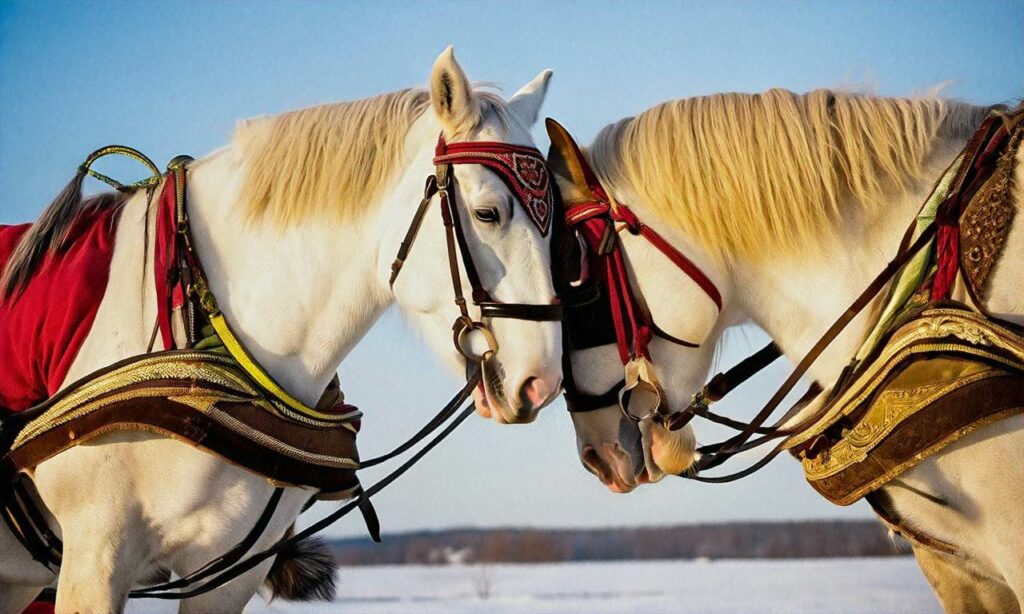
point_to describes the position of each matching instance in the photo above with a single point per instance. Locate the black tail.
(50, 233)
(304, 571)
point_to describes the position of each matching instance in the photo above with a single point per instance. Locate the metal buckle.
(640, 395)
(442, 173)
(463, 328)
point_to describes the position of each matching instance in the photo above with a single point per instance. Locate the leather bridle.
(594, 221)
(603, 301)
(524, 171)
(610, 303)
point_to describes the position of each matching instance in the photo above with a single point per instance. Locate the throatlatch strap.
(622, 213)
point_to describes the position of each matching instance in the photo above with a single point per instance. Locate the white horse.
(791, 204)
(297, 222)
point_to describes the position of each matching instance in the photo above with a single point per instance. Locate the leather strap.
(360, 502)
(429, 190)
(717, 454)
(721, 385)
(622, 213)
(580, 402)
(228, 558)
(882, 506)
(724, 383)
(533, 313)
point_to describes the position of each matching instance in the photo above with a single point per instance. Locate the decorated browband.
(523, 169)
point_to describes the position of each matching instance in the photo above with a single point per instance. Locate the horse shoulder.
(980, 482)
(126, 314)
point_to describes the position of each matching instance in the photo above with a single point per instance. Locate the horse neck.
(796, 297)
(301, 297)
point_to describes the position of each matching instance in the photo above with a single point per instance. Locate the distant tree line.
(799, 539)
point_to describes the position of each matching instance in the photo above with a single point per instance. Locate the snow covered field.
(865, 585)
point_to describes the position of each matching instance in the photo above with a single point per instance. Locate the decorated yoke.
(933, 369)
(210, 394)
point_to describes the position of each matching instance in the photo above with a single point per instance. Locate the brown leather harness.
(158, 403)
(988, 143)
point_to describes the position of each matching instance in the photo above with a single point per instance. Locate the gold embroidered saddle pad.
(942, 374)
(206, 400)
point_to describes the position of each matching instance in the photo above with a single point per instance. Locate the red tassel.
(948, 257)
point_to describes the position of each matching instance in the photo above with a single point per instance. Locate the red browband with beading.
(523, 169)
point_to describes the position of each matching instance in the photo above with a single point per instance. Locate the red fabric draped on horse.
(43, 326)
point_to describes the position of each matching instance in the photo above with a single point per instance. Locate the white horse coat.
(795, 295)
(130, 505)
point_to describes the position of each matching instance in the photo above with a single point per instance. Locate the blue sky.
(173, 77)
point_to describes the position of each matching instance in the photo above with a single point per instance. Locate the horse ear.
(567, 163)
(451, 95)
(527, 101)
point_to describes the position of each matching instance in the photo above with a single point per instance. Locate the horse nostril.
(533, 394)
(596, 465)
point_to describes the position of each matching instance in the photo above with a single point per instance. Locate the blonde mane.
(333, 159)
(329, 159)
(746, 175)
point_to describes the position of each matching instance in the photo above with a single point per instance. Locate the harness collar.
(181, 283)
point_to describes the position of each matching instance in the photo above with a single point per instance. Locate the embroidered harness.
(930, 372)
(216, 396)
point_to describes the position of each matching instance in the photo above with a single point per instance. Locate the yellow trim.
(255, 371)
(234, 346)
(154, 178)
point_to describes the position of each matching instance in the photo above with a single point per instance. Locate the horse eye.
(487, 216)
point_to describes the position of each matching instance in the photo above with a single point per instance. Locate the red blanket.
(43, 327)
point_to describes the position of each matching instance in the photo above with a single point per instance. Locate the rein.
(231, 565)
(714, 455)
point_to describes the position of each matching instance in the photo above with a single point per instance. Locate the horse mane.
(330, 159)
(50, 232)
(333, 159)
(749, 175)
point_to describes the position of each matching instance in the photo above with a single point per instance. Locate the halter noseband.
(525, 172)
